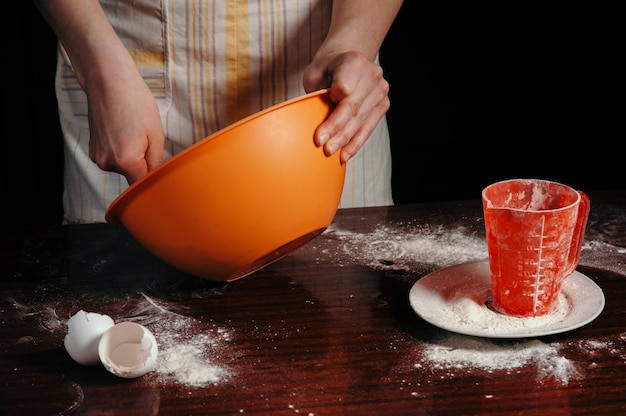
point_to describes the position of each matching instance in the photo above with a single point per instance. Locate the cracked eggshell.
(128, 350)
(84, 331)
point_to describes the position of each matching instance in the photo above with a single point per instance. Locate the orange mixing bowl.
(241, 198)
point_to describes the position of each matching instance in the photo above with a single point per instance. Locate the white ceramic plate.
(455, 299)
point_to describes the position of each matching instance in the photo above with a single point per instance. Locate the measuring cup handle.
(579, 233)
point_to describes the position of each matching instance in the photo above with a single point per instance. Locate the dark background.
(478, 95)
(484, 94)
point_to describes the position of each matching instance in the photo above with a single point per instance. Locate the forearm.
(125, 131)
(87, 36)
(360, 25)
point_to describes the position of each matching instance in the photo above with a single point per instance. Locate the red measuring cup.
(535, 230)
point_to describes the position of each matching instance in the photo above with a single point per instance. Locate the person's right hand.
(126, 134)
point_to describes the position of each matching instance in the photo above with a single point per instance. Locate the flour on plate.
(471, 314)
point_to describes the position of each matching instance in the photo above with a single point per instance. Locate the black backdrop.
(478, 95)
(32, 163)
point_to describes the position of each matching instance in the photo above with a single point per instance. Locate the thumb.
(152, 159)
(155, 153)
(135, 171)
(315, 78)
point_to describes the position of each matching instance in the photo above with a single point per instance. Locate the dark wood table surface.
(327, 330)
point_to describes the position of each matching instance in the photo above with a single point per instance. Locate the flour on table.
(185, 350)
(402, 247)
(189, 353)
(392, 248)
(602, 255)
(462, 352)
(188, 361)
(411, 247)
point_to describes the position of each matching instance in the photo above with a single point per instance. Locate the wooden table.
(327, 330)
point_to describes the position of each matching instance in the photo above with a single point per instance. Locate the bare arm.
(360, 25)
(126, 135)
(345, 63)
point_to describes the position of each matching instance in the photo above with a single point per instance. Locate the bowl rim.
(113, 212)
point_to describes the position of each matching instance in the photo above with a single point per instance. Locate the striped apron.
(209, 63)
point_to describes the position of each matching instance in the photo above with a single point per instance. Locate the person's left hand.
(360, 93)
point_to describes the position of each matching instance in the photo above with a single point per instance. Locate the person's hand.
(126, 135)
(357, 87)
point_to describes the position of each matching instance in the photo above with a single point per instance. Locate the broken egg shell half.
(128, 350)
(84, 331)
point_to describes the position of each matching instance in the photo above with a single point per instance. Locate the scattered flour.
(190, 356)
(410, 248)
(188, 362)
(185, 350)
(188, 352)
(401, 246)
(602, 255)
(393, 248)
(461, 352)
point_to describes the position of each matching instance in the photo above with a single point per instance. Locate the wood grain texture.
(324, 331)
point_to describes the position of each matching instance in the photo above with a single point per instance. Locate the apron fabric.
(209, 63)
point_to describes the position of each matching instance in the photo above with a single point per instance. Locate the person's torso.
(210, 63)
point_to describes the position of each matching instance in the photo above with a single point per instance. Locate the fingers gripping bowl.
(242, 197)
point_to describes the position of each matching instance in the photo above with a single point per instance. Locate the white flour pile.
(187, 361)
(185, 355)
(461, 352)
(470, 314)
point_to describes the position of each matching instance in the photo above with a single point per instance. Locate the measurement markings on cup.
(539, 273)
